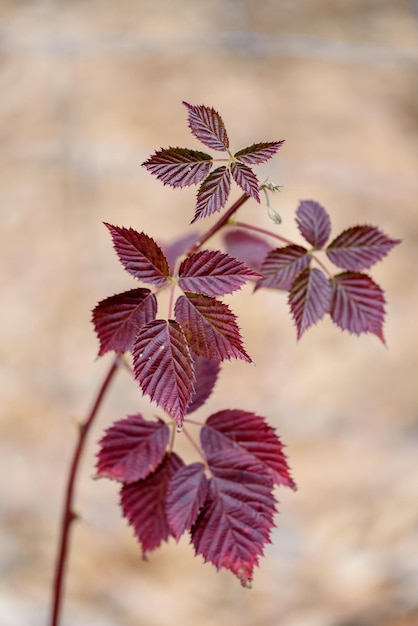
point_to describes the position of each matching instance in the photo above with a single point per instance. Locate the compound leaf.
(210, 328)
(246, 179)
(185, 498)
(359, 247)
(357, 304)
(163, 366)
(313, 223)
(237, 515)
(144, 504)
(282, 265)
(213, 193)
(258, 152)
(249, 248)
(207, 125)
(206, 374)
(179, 167)
(213, 273)
(309, 298)
(249, 435)
(139, 255)
(132, 448)
(117, 319)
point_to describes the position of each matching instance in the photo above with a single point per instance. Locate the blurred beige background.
(88, 89)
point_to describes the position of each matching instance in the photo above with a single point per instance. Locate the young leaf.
(179, 167)
(237, 516)
(144, 504)
(213, 273)
(139, 255)
(357, 304)
(132, 448)
(163, 366)
(207, 125)
(186, 495)
(206, 373)
(249, 248)
(309, 298)
(213, 193)
(249, 435)
(246, 179)
(313, 222)
(117, 319)
(282, 265)
(359, 247)
(210, 328)
(258, 152)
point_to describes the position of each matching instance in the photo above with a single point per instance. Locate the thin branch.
(218, 225)
(68, 514)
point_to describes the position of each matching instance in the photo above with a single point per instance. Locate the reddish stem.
(68, 515)
(218, 225)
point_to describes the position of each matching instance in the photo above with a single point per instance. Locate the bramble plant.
(225, 499)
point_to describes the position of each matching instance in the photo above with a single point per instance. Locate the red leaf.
(237, 516)
(246, 179)
(144, 504)
(213, 273)
(206, 125)
(249, 435)
(163, 366)
(206, 373)
(139, 255)
(282, 265)
(179, 167)
(313, 222)
(357, 304)
(213, 193)
(309, 298)
(249, 248)
(360, 247)
(258, 152)
(210, 328)
(185, 498)
(132, 448)
(117, 319)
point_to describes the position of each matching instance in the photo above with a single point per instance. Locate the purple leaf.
(206, 125)
(213, 273)
(357, 304)
(139, 255)
(258, 152)
(178, 247)
(313, 222)
(213, 193)
(206, 374)
(246, 179)
(249, 248)
(132, 448)
(309, 298)
(186, 495)
(163, 366)
(360, 247)
(282, 265)
(248, 435)
(210, 328)
(179, 167)
(117, 319)
(237, 516)
(144, 504)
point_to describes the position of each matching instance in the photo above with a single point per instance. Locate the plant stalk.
(68, 514)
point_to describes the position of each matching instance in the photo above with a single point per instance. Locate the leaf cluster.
(225, 500)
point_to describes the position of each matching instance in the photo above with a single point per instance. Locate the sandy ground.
(88, 90)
